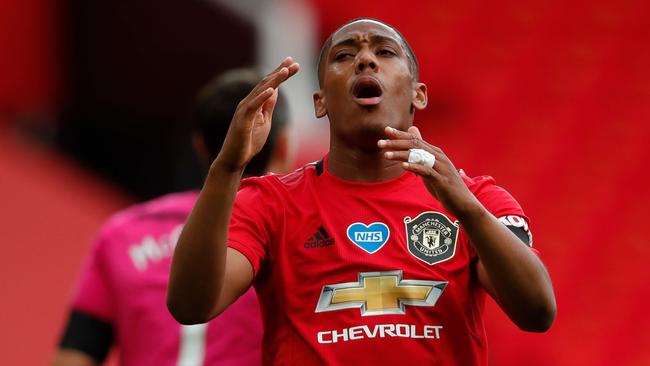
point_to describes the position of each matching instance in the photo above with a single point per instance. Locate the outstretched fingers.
(265, 88)
(429, 162)
(398, 145)
(284, 71)
(421, 170)
(259, 99)
(405, 140)
(393, 133)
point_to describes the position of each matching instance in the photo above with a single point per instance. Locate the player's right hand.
(251, 122)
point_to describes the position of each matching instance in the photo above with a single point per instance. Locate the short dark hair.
(413, 61)
(216, 104)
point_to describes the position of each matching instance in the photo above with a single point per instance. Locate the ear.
(420, 98)
(319, 104)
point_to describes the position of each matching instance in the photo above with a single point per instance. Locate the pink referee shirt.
(124, 282)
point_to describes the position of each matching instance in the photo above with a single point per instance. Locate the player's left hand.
(442, 180)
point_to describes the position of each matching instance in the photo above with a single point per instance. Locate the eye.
(386, 52)
(342, 56)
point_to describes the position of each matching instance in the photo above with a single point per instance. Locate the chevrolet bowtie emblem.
(379, 293)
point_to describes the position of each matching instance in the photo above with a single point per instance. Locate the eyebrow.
(376, 38)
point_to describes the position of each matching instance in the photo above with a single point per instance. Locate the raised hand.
(442, 180)
(251, 122)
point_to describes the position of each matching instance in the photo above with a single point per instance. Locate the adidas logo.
(320, 239)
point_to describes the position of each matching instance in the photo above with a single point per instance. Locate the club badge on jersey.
(431, 237)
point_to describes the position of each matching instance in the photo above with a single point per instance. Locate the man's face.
(367, 83)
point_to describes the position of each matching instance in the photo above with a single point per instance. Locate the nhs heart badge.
(368, 237)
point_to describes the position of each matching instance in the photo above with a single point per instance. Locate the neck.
(361, 165)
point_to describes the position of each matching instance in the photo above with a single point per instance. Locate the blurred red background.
(552, 98)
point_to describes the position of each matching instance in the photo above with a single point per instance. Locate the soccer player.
(381, 253)
(120, 299)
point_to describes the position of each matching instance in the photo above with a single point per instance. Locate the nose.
(366, 60)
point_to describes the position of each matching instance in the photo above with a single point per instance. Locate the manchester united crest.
(431, 237)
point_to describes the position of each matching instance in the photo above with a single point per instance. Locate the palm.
(251, 123)
(261, 125)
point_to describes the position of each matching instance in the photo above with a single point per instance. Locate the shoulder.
(174, 206)
(494, 197)
(273, 193)
(501, 204)
(282, 182)
(484, 185)
(478, 183)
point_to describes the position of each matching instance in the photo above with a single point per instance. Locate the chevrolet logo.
(380, 293)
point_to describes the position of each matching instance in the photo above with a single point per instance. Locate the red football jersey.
(355, 273)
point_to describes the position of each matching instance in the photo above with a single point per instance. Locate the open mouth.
(367, 91)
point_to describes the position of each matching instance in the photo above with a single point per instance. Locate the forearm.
(198, 266)
(515, 277)
(71, 357)
(507, 269)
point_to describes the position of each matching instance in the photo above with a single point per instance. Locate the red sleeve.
(501, 204)
(250, 229)
(495, 199)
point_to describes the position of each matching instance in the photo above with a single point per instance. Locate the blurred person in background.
(120, 298)
(369, 256)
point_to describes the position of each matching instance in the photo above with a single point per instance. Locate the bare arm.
(510, 272)
(507, 269)
(205, 276)
(71, 357)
